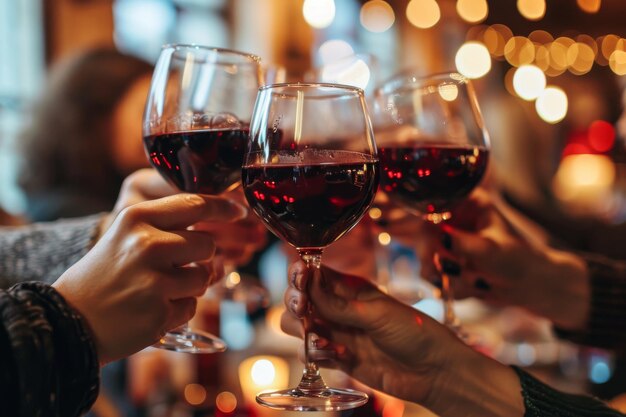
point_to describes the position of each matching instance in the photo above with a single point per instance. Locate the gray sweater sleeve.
(43, 251)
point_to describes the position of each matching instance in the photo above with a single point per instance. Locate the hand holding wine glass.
(195, 132)
(433, 149)
(310, 173)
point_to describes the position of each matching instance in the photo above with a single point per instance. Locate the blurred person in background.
(84, 135)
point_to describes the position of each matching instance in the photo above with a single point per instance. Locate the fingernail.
(450, 267)
(446, 240)
(481, 284)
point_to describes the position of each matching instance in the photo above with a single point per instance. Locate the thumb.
(469, 246)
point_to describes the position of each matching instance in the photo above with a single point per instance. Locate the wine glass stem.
(447, 295)
(311, 381)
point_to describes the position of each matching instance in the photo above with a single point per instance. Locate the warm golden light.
(232, 279)
(448, 92)
(334, 50)
(532, 9)
(375, 213)
(551, 105)
(617, 62)
(584, 178)
(472, 11)
(508, 81)
(558, 54)
(226, 402)
(589, 6)
(195, 394)
(262, 373)
(384, 238)
(542, 58)
(423, 14)
(377, 16)
(494, 41)
(609, 43)
(540, 37)
(473, 60)
(580, 57)
(350, 71)
(319, 13)
(529, 82)
(519, 51)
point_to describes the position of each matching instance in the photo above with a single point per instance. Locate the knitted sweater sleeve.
(43, 251)
(606, 325)
(542, 401)
(48, 362)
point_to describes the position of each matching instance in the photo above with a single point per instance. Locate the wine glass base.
(182, 340)
(328, 399)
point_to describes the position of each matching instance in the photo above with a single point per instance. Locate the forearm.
(49, 364)
(43, 251)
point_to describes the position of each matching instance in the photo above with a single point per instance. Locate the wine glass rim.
(296, 85)
(255, 59)
(411, 80)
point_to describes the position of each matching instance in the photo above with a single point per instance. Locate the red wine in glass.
(431, 178)
(311, 205)
(206, 161)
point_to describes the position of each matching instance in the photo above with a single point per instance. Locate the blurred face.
(126, 137)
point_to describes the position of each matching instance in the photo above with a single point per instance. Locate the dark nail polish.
(450, 267)
(438, 284)
(446, 241)
(481, 284)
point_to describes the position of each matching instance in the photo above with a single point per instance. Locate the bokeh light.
(473, 60)
(448, 92)
(472, 11)
(319, 13)
(519, 51)
(423, 14)
(589, 6)
(532, 9)
(552, 104)
(609, 43)
(195, 394)
(263, 372)
(508, 81)
(334, 50)
(542, 58)
(384, 238)
(529, 82)
(601, 136)
(226, 402)
(580, 177)
(377, 16)
(617, 62)
(540, 37)
(580, 58)
(350, 71)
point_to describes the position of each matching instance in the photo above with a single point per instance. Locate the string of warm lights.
(533, 57)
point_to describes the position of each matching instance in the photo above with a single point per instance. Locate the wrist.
(477, 386)
(563, 279)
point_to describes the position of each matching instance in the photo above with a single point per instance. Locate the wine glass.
(310, 173)
(195, 131)
(434, 149)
